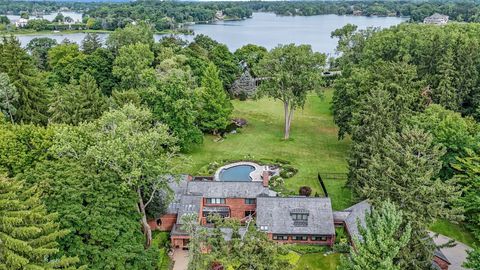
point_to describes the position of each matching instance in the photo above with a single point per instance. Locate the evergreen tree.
(468, 177)
(90, 43)
(473, 260)
(14, 61)
(445, 92)
(28, 234)
(380, 241)
(371, 123)
(404, 171)
(92, 103)
(8, 97)
(77, 102)
(215, 107)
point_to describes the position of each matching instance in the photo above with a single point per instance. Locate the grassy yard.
(455, 231)
(318, 261)
(313, 146)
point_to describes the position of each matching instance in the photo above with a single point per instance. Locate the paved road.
(180, 258)
(456, 255)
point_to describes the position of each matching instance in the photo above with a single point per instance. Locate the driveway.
(456, 255)
(180, 259)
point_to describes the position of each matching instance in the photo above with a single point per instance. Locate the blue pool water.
(236, 173)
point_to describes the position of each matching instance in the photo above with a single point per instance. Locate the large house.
(436, 19)
(294, 219)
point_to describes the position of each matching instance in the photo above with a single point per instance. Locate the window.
(215, 200)
(319, 238)
(249, 213)
(280, 237)
(300, 237)
(250, 201)
(300, 217)
(263, 228)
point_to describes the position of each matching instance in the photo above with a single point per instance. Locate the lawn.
(455, 231)
(313, 146)
(318, 261)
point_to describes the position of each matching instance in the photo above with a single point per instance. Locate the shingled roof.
(221, 189)
(188, 204)
(355, 212)
(274, 215)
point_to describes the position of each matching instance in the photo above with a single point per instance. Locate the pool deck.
(256, 175)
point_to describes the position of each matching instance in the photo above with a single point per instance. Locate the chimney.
(265, 177)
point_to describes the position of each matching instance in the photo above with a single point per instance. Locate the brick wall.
(164, 223)
(237, 207)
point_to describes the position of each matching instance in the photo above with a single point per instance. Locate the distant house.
(21, 22)
(436, 18)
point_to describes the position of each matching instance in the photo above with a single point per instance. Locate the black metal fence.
(333, 176)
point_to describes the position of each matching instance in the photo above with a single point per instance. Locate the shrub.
(341, 248)
(288, 171)
(305, 191)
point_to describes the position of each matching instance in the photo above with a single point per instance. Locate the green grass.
(318, 261)
(456, 231)
(313, 146)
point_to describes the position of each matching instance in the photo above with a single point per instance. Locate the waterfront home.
(436, 18)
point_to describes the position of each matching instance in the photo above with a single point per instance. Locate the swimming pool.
(237, 173)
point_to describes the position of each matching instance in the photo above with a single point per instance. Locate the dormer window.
(300, 217)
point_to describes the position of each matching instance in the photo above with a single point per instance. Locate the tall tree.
(214, 104)
(130, 35)
(380, 241)
(172, 102)
(28, 234)
(404, 171)
(38, 48)
(289, 73)
(8, 97)
(139, 151)
(133, 68)
(371, 123)
(32, 95)
(77, 102)
(91, 42)
(95, 207)
(451, 130)
(445, 93)
(468, 177)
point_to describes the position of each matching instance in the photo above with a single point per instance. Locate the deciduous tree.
(132, 66)
(289, 73)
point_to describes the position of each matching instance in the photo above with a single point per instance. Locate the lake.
(266, 29)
